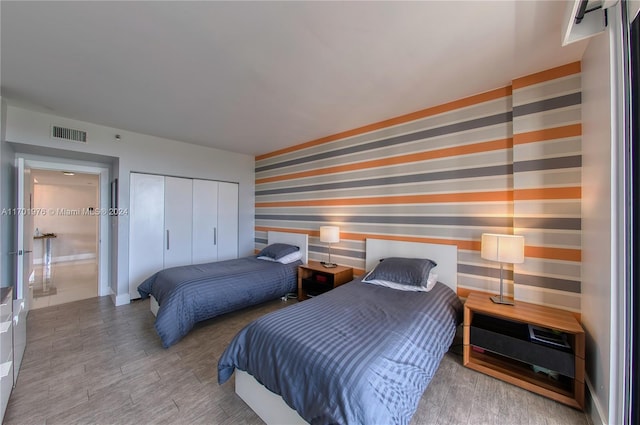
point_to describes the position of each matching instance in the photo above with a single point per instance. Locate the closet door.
(146, 228)
(205, 221)
(178, 216)
(227, 221)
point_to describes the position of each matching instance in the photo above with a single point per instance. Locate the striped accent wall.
(494, 162)
(547, 162)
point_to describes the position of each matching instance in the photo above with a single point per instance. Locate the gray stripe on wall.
(548, 223)
(405, 138)
(444, 221)
(548, 104)
(563, 162)
(498, 170)
(548, 282)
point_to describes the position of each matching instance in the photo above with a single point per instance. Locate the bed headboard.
(445, 255)
(297, 239)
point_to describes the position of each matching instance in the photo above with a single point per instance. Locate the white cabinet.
(178, 221)
(6, 348)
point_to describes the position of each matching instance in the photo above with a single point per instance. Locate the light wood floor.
(88, 362)
(63, 283)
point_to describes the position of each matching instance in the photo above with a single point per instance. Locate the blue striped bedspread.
(190, 294)
(359, 354)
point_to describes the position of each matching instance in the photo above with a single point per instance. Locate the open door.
(24, 266)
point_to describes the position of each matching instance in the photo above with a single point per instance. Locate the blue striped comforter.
(359, 354)
(190, 294)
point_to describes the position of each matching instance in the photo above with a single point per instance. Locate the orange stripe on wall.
(497, 196)
(572, 130)
(549, 253)
(458, 104)
(397, 160)
(547, 193)
(550, 74)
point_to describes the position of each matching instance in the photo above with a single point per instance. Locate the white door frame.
(103, 227)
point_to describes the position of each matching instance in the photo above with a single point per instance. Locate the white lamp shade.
(502, 248)
(329, 234)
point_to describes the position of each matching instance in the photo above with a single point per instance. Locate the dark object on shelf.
(548, 337)
(315, 287)
(511, 339)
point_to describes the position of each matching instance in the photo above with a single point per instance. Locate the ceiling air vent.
(70, 134)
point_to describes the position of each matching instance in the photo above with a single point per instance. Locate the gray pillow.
(277, 250)
(405, 271)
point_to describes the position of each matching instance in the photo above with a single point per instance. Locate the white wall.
(141, 153)
(75, 232)
(597, 203)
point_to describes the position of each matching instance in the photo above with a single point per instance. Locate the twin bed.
(361, 353)
(183, 296)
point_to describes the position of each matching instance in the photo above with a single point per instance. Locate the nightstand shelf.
(315, 279)
(496, 342)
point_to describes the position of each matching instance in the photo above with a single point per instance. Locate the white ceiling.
(253, 77)
(58, 178)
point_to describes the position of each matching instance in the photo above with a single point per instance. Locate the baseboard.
(593, 406)
(121, 299)
(66, 258)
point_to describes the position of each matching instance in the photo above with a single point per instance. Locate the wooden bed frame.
(297, 239)
(270, 407)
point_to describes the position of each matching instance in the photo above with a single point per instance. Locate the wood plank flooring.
(88, 362)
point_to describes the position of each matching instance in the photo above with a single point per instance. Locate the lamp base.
(501, 300)
(328, 265)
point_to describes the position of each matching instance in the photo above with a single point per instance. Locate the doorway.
(70, 231)
(65, 232)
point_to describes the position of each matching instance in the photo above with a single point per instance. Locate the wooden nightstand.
(314, 278)
(497, 342)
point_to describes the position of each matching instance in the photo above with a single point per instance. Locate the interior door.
(24, 266)
(205, 221)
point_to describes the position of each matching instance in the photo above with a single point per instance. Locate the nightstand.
(538, 348)
(315, 279)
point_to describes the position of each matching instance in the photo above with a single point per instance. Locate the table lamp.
(329, 234)
(503, 249)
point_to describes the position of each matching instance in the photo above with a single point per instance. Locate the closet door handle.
(167, 239)
(215, 236)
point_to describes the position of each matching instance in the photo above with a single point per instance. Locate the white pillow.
(431, 282)
(289, 258)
